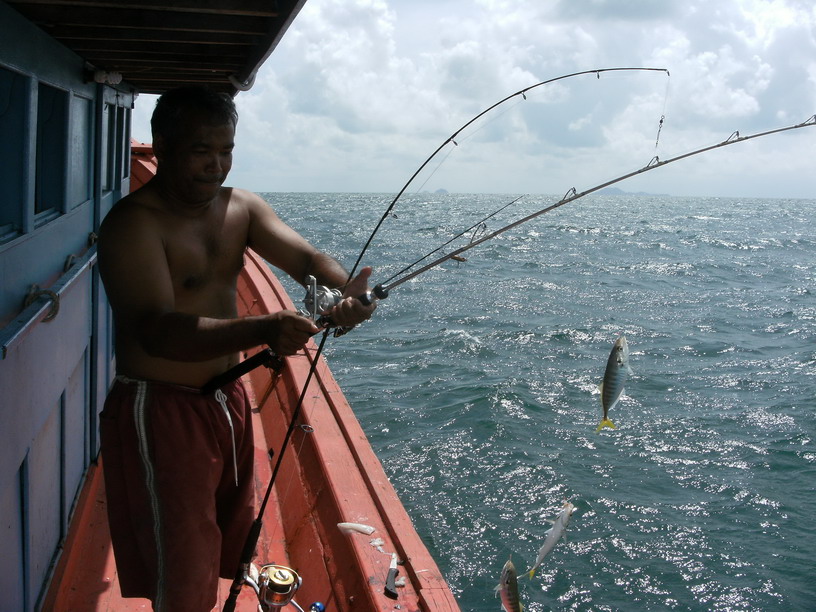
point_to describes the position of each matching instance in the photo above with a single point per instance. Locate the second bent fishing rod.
(382, 290)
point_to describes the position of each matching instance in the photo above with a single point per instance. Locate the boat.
(70, 75)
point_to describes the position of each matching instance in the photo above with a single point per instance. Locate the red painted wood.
(142, 164)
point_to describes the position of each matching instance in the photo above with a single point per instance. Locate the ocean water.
(476, 384)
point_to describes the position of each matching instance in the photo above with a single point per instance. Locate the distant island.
(617, 191)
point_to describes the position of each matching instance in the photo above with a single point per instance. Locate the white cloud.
(360, 92)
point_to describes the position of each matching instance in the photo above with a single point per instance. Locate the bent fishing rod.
(382, 290)
(452, 139)
(322, 300)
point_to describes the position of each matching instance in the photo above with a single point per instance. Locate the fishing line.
(474, 227)
(382, 290)
(433, 172)
(663, 113)
(460, 141)
(452, 138)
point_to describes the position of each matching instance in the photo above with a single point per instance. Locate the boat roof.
(160, 44)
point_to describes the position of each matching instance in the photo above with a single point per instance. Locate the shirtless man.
(178, 462)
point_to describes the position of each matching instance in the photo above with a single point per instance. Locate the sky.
(359, 93)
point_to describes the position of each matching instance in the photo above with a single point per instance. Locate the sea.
(476, 384)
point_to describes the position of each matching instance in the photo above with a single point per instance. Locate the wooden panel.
(14, 90)
(53, 349)
(103, 365)
(11, 560)
(75, 433)
(44, 510)
(39, 257)
(80, 155)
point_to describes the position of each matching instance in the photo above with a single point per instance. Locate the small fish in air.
(507, 588)
(554, 533)
(611, 388)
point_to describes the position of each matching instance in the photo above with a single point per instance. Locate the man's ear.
(159, 146)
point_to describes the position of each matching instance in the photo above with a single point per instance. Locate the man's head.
(176, 106)
(193, 139)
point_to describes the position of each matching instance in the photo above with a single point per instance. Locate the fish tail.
(605, 423)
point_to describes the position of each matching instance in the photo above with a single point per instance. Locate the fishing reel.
(319, 299)
(276, 585)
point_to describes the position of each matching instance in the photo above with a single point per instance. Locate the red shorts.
(178, 520)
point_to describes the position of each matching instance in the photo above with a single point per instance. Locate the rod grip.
(246, 558)
(264, 357)
(379, 293)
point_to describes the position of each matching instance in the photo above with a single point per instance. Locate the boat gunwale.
(383, 504)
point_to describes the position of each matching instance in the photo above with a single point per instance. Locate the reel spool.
(277, 585)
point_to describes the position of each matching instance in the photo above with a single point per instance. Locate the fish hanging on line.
(554, 533)
(611, 387)
(507, 588)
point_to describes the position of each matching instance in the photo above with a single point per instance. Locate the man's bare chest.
(204, 253)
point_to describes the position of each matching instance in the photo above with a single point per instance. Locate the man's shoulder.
(135, 210)
(236, 195)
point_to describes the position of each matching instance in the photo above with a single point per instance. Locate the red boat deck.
(329, 475)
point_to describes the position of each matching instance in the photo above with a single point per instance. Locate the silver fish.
(554, 533)
(617, 369)
(507, 588)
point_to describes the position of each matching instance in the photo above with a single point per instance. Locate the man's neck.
(177, 205)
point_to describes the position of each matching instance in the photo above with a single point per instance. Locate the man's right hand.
(288, 332)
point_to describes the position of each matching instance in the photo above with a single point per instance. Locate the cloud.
(360, 92)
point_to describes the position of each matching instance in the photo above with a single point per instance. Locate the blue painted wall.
(65, 156)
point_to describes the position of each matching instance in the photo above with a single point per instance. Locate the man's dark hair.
(175, 105)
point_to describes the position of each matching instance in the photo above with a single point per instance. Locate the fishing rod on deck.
(275, 585)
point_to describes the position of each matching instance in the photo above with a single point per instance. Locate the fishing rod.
(452, 139)
(475, 227)
(320, 299)
(382, 290)
(276, 585)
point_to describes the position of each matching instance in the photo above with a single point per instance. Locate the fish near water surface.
(507, 588)
(617, 369)
(554, 533)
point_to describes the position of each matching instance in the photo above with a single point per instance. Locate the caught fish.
(554, 533)
(611, 388)
(507, 588)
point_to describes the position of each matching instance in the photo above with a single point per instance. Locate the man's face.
(196, 163)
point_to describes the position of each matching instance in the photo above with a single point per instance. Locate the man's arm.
(283, 247)
(137, 279)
